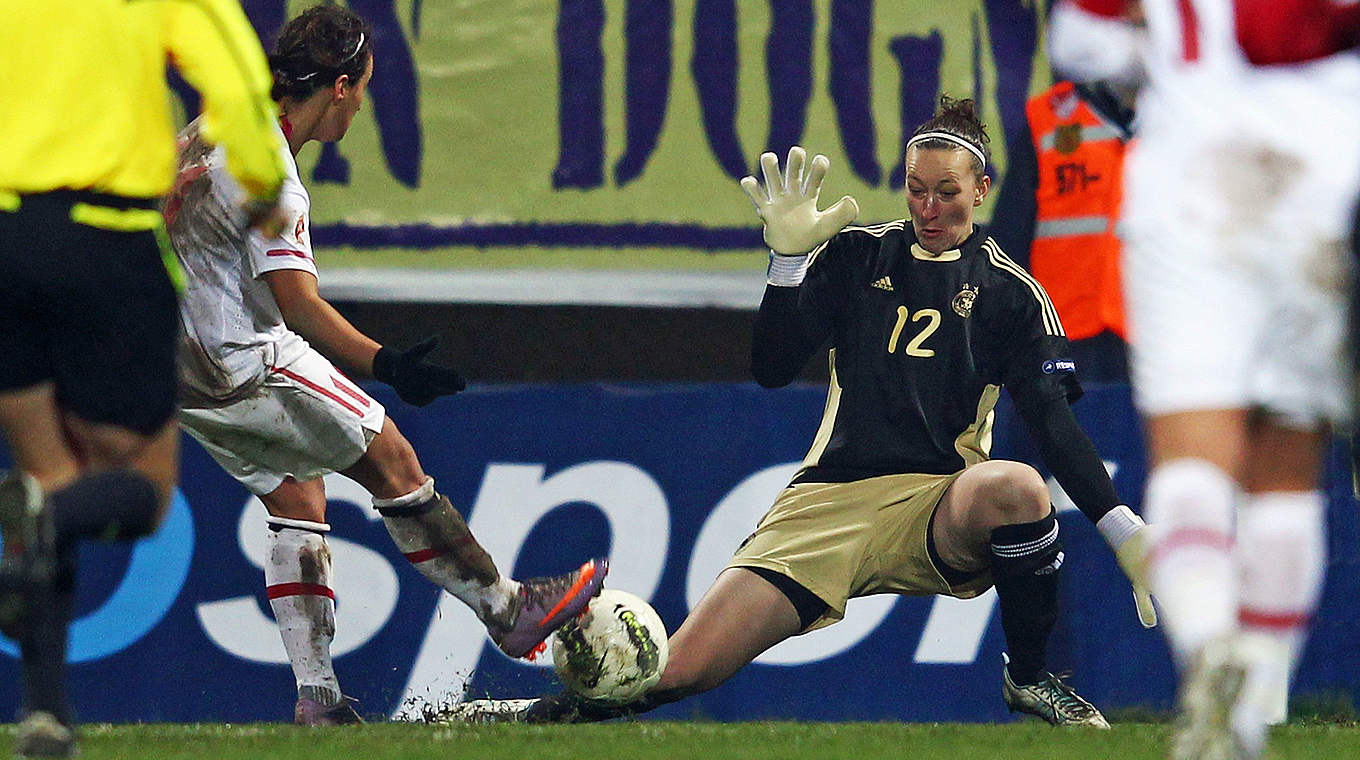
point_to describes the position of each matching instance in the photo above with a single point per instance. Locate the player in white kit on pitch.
(277, 415)
(1239, 197)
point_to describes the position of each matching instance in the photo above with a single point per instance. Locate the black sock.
(43, 641)
(114, 505)
(1025, 560)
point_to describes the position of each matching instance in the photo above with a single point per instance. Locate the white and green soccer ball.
(614, 652)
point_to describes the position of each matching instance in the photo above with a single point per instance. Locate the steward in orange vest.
(1060, 204)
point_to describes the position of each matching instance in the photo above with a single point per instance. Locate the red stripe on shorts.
(348, 391)
(298, 589)
(328, 394)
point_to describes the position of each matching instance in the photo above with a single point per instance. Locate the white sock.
(434, 538)
(1281, 539)
(298, 581)
(1189, 507)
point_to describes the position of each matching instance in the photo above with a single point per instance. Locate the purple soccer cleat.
(546, 603)
(309, 712)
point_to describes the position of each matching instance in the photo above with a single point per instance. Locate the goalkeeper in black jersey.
(926, 320)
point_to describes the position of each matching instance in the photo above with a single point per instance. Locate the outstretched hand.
(416, 381)
(788, 204)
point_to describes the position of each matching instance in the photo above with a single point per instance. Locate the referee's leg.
(96, 482)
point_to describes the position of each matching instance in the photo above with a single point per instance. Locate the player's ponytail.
(316, 48)
(956, 126)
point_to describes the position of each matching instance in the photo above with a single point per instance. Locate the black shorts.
(94, 311)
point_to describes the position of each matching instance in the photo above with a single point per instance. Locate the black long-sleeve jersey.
(920, 345)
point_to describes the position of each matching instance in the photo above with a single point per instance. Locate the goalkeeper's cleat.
(1208, 695)
(488, 711)
(40, 734)
(1132, 557)
(544, 604)
(29, 555)
(310, 712)
(1050, 699)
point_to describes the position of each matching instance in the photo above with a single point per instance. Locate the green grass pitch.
(654, 740)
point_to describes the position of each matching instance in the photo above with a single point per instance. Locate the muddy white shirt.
(233, 330)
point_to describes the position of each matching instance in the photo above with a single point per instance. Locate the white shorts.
(1237, 272)
(306, 420)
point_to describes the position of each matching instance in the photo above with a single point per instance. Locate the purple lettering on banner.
(580, 115)
(918, 58)
(788, 68)
(851, 30)
(714, 67)
(648, 34)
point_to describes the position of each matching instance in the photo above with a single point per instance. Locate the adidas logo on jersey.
(883, 283)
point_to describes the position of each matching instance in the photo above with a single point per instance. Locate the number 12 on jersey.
(932, 317)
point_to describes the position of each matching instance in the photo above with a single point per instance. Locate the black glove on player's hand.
(417, 382)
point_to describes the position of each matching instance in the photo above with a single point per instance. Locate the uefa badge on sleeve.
(1054, 366)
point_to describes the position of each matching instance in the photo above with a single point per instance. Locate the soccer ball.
(614, 652)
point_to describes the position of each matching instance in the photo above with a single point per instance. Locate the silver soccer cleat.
(1209, 691)
(1050, 699)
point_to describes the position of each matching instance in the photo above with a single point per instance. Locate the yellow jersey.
(84, 102)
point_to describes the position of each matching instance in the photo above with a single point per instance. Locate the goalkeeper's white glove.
(788, 204)
(1127, 534)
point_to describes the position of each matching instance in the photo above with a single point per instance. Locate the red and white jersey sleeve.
(291, 248)
(1295, 31)
(1091, 39)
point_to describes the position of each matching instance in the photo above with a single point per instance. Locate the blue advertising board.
(666, 480)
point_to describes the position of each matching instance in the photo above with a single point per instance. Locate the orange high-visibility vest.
(1075, 254)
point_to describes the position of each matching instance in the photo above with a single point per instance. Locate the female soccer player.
(263, 398)
(1240, 367)
(926, 320)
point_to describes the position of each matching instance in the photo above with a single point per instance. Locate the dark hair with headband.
(955, 127)
(318, 47)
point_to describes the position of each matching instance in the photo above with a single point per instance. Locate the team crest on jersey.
(1067, 138)
(299, 228)
(963, 302)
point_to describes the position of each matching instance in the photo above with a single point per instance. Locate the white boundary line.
(551, 287)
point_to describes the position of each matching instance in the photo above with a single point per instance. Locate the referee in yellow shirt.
(88, 286)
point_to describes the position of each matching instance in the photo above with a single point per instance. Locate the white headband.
(356, 49)
(348, 58)
(950, 138)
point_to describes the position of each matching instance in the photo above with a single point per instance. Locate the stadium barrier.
(665, 478)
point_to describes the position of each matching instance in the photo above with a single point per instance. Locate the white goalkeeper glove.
(788, 204)
(1127, 534)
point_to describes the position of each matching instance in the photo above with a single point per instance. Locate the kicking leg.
(740, 616)
(435, 538)
(45, 508)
